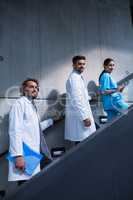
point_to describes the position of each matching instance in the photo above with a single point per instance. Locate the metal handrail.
(55, 122)
(126, 79)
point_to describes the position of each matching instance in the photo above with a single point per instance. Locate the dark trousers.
(2, 194)
(77, 142)
(21, 182)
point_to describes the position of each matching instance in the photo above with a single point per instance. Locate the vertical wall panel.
(4, 47)
(66, 30)
(39, 38)
(116, 34)
(20, 36)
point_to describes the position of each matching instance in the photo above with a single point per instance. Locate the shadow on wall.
(93, 90)
(4, 138)
(56, 102)
(56, 110)
(95, 102)
(56, 105)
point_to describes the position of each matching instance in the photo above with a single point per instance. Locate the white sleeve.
(16, 130)
(46, 123)
(77, 98)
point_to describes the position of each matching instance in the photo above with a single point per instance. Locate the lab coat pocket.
(28, 117)
(86, 128)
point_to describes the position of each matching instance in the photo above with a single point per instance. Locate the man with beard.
(79, 122)
(24, 127)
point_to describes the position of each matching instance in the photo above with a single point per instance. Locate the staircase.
(100, 168)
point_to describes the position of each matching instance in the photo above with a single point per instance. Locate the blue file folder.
(32, 159)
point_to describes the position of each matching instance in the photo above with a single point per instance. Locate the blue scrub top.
(106, 82)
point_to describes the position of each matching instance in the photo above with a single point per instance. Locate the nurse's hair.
(107, 61)
(78, 57)
(24, 84)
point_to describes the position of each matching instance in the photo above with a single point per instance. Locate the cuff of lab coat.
(84, 116)
(46, 123)
(16, 154)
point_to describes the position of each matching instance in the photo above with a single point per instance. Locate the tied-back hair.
(105, 63)
(101, 74)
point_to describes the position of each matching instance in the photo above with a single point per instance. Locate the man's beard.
(34, 97)
(31, 97)
(79, 71)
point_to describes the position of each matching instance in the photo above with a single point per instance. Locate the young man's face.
(80, 65)
(31, 89)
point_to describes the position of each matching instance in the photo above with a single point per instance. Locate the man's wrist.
(19, 156)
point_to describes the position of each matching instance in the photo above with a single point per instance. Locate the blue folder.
(32, 159)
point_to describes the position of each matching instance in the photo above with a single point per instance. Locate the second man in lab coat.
(79, 122)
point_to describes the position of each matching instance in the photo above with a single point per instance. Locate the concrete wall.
(38, 39)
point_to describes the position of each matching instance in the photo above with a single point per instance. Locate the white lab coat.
(77, 109)
(24, 126)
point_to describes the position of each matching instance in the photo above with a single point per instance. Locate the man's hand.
(20, 163)
(87, 122)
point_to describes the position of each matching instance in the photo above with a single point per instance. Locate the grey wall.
(38, 39)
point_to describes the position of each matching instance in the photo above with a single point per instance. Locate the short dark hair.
(107, 61)
(24, 84)
(78, 57)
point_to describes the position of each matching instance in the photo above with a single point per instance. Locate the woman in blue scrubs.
(107, 87)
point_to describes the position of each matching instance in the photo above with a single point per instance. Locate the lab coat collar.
(75, 71)
(27, 100)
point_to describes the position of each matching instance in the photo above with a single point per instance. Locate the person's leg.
(77, 142)
(2, 194)
(111, 114)
(45, 161)
(21, 182)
